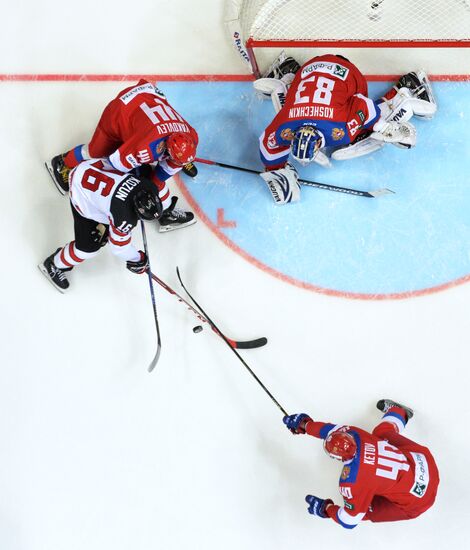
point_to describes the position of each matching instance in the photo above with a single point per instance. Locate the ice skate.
(385, 405)
(55, 275)
(175, 218)
(59, 173)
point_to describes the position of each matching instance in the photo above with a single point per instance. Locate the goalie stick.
(237, 344)
(318, 185)
(227, 341)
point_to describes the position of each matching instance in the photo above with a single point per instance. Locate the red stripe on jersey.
(116, 230)
(63, 260)
(119, 243)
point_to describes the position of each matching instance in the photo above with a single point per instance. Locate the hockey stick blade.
(154, 362)
(381, 192)
(236, 344)
(251, 344)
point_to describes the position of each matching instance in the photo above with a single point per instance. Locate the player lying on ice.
(106, 206)
(385, 476)
(323, 104)
(139, 127)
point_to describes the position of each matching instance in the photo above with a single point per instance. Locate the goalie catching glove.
(401, 134)
(283, 184)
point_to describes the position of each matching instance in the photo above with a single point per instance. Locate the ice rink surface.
(95, 453)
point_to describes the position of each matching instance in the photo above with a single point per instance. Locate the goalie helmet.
(306, 144)
(340, 445)
(181, 148)
(147, 205)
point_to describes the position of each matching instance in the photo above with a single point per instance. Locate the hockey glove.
(401, 134)
(283, 184)
(317, 506)
(100, 234)
(296, 422)
(139, 266)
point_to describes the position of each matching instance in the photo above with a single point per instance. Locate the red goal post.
(429, 34)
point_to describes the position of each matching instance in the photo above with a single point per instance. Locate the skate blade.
(167, 228)
(51, 173)
(43, 270)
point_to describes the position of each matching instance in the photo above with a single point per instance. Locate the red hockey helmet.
(181, 148)
(340, 445)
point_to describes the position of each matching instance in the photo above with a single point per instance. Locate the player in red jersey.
(325, 104)
(139, 128)
(385, 477)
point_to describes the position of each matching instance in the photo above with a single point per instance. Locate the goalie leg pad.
(358, 149)
(281, 66)
(412, 95)
(283, 184)
(276, 89)
(268, 86)
(426, 94)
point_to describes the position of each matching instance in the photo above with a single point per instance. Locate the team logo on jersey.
(337, 134)
(421, 475)
(419, 489)
(345, 473)
(340, 71)
(160, 147)
(287, 134)
(334, 69)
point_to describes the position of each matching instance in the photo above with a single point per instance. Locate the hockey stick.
(238, 344)
(152, 294)
(318, 185)
(214, 327)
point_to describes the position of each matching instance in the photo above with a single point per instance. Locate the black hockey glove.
(139, 266)
(100, 234)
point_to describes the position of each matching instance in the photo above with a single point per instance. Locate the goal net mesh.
(355, 20)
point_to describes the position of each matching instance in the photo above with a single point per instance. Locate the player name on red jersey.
(311, 111)
(165, 128)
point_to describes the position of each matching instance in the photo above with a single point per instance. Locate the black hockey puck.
(197, 329)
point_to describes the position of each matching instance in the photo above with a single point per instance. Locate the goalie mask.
(147, 205)
(181, 148)
(340, 445)
(306, 144)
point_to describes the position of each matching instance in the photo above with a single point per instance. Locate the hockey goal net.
(405, 30)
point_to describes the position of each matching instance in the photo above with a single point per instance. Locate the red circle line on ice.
(302, 284)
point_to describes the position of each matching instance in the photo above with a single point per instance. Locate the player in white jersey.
(106, 206)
